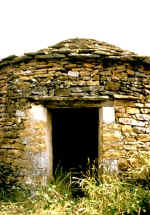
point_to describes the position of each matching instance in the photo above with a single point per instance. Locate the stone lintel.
(57, 98)
(73, 102)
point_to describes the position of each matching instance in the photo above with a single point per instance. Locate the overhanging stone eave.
(38, 56)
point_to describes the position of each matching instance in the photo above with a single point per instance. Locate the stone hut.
(77, 100)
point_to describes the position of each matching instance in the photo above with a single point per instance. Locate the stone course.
(74, 73)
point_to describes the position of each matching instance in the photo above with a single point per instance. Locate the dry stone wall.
(62, 76)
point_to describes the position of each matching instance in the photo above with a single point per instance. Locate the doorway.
(74, 138)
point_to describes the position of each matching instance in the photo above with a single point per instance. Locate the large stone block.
(112, 136)
(110, 166)
(129, 139)
(132, 110)
(130, 121)
(145, 110)
(113, 86)
(143, 137)
(127, 128)
(112, 146)
(120, 109)
(144, 117)
(139, 130)
(114, 154)
(123, 115)
(108, 115)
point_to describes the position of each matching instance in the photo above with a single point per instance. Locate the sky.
(30, 25)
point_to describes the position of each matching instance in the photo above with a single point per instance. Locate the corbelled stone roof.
(77, 48)
(88, 46)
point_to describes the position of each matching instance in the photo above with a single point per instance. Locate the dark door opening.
(75, 138)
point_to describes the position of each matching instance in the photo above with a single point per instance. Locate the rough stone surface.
(74, 73)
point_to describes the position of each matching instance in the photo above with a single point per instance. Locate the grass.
(127, 193)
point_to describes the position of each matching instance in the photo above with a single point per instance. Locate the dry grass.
(125, 194)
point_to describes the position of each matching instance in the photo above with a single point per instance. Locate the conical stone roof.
(87, 46)
(79, 48)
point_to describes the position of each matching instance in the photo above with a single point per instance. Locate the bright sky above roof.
(30, 25)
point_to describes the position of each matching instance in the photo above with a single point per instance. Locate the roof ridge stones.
(79, 49)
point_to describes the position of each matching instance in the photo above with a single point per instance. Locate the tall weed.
(116, 194)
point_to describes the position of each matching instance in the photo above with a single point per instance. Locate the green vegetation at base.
(126, 193)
